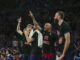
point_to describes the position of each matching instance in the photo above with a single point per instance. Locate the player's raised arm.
(18, 26)
(34, 20)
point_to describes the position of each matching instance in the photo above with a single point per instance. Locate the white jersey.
(40, 38)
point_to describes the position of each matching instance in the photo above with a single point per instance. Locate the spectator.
(18, 56)
(2, 57)
(8, 55)
(75, 54)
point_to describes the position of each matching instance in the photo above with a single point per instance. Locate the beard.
(55, 23)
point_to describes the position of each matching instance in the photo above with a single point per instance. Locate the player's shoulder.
(35, 32)
(65, 23)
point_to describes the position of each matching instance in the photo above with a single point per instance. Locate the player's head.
(29, 27)
(47, 26)
(59, 15)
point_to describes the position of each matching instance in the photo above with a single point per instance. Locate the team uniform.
(36, 45)
(9, 57)
(25, 49)
(64, 28)
(48, 45)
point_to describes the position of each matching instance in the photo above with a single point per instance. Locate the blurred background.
(43, 10)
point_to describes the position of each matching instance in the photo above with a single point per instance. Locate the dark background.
(43, 10)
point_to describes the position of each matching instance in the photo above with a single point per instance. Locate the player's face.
(28, 28)
(46, 27)
(56, 17)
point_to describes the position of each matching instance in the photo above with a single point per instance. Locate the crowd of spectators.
(9, 54)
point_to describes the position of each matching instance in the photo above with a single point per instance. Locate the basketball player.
(65, 38)
(26, 47)
(35, 40)
(49, 37)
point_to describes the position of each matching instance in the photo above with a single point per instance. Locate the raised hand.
(19, 19)
(18, 26)
(30, 13)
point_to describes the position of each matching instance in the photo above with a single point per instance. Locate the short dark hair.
(61, 13)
